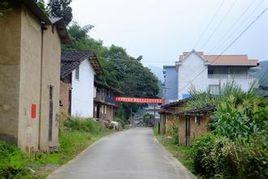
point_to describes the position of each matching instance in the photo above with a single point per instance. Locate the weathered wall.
(181, 131)
(50, 78)
(20, 79)
(171, 122)
(162, 123)
(10, 28)
(29, 81)
(64, 97)
(196, 129)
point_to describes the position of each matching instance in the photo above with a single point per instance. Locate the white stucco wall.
(188, 71)
(83, 91)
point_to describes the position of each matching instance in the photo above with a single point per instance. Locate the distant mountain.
(261, 73)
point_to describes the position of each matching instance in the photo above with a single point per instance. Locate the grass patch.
(182, 153)
(75, 136)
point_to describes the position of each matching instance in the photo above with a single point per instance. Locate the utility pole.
(131, 118)
(154, 114)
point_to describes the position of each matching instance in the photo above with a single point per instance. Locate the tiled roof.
(222, 60)
(72, 59)
(175, 103)
(230, 60)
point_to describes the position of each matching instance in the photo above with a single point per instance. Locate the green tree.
(61, 8)
(121, 70)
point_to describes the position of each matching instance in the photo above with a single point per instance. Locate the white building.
(78, 69)
(211, 72)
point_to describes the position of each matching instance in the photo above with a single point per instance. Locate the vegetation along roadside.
(236, 146)
(75, 136)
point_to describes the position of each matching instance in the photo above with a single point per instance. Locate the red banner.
(139, 100)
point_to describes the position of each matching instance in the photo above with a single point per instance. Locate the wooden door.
(187, 131)
(70, 102)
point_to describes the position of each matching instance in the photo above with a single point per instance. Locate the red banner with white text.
(139, 100)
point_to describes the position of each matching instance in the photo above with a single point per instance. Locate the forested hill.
(121, 70)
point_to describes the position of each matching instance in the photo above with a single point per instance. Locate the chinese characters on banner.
(139, 100)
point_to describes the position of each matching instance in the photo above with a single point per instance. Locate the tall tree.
(121, 70)
(61, 8)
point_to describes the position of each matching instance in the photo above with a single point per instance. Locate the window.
(214, 89)
(77, 73)
(210, 71)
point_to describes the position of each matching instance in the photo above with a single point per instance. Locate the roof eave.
(62, 31)
(36, 10)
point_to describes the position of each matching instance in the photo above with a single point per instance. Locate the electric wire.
(227, 47)
(208, 25)
(236, 26)
(219, 24)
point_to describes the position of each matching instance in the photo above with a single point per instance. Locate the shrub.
(201, 150)
(173, 131)
(243, 119)
(222, 157)
(87, 125)
(13, 162)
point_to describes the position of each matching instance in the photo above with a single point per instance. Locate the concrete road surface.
(131, 154)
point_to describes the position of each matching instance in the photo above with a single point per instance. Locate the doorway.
(187, 130)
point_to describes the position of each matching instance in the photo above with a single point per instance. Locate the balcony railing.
(105, 99)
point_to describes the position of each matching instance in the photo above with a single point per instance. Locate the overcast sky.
(161, 30)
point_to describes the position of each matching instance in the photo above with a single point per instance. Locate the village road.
(131, 154)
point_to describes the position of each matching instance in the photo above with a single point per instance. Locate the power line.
(225, 49)
(219, 24)
(208, 25)
(236, 24)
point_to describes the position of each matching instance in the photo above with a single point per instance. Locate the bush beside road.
(75, 136)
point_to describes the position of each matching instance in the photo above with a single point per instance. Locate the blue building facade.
(170, 87)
